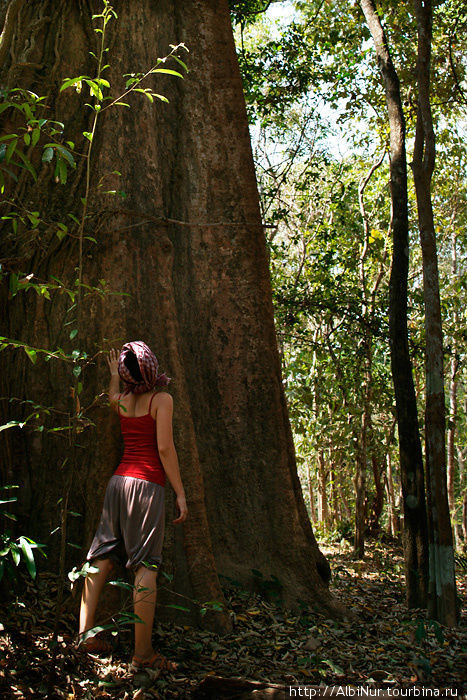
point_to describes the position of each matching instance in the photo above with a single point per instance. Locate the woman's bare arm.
(168, 453)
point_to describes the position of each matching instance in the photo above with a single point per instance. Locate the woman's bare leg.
(144, 605)
(93, 585)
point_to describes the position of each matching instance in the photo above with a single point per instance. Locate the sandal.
(95, 645)
(156, 662)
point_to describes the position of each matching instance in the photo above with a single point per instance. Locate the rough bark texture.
(411, 461)
(442, 604)
(453, 381)
(393, 520)
(323, 505)
(200, 296)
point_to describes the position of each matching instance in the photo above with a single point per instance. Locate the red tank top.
(141, 457)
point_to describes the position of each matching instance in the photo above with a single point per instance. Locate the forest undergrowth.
(386, 647)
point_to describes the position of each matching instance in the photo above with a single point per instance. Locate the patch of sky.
(336, 138)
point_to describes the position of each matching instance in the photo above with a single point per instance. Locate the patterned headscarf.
(148, 366)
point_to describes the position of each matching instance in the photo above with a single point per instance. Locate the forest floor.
(387, 647)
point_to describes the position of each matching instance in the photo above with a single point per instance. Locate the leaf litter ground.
(387, 647)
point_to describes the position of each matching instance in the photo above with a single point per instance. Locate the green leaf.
(95, 630)
(65, 153)
(168, 71)
(179, 60)
(333, 666)
(29, 556)
(73, 333)
(47, 155)
(62, 171)
(33, 217)
(15, 554)
(72, 81)
(32, 354)
(11, 424)
(10, 150)
(420, 632)
(10, 516)
(13, 284)
(88, 135)
(27, 110)
(26, 164)
(27, 139)
(76, 370)
(122, 584)
(35, 136)
(9, 500)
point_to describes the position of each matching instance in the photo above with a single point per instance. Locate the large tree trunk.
(442, 603)
(411, 461)
(187, 244)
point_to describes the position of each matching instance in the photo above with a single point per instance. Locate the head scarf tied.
(148, 366)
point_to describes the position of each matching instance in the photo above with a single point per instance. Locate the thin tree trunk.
(360, 491)
(366, 312)
(378, 501)
(393, 520)
(463, 481)
(442, 604)
(323, 507)
(454, 366)
(334, 498)
(344, 503)
(311, 494)
(410, 451)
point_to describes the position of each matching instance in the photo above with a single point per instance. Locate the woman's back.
(141, 457)
(134, 405)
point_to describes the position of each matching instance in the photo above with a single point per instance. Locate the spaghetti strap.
(149, 409)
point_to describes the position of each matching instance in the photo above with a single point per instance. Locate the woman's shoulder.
(163, 396)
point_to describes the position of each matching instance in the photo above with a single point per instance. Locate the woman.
(132, 522)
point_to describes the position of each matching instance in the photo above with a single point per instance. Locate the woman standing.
(131, 529)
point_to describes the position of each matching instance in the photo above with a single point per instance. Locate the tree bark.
(463, 481)
(187, 245)
(393, 520)
(410, 451)
(360, 491)
(335, 516)
(311, 494)
(442, 603)
(454, 366)
(323, 506)
(378, 501)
